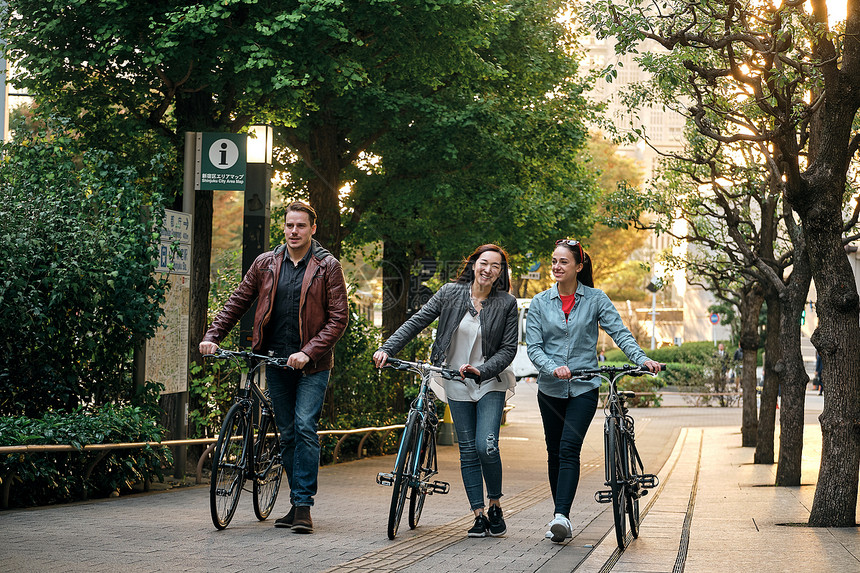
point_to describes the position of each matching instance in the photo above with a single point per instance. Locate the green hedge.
(58, 477)
(687, 353)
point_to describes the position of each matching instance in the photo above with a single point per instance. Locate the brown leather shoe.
(287, 520)
(302, 521)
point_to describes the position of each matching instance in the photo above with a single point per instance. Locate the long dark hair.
(467, 271)
(585, 276)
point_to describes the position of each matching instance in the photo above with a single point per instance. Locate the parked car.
(522, 366)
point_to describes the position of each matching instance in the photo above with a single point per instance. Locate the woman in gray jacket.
(477, 333)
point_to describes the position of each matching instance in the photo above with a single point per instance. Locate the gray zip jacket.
(450, 304)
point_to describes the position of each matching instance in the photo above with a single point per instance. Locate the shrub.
(645, 387)
(689, 353)
(77, 290)
(57, 477)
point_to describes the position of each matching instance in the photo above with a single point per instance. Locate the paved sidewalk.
(718, 511)
(731, 519)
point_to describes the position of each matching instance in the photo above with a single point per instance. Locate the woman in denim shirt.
(561, 333)
(477, 333)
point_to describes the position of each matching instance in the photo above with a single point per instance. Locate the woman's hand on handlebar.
(468, 368)
(207, 347)
(652, 366)
(562, 372)
(380, 357)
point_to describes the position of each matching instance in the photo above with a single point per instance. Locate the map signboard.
(167, 351)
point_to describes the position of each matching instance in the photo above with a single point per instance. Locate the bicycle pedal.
(603, 496)
(648, 480)
(383, 478)
(438, 487)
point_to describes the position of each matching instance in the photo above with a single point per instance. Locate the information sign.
(221, 161)
(175, 229)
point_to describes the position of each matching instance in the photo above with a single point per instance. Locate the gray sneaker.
(497, 524)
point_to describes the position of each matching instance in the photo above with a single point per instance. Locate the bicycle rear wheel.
(401, 474)
(634, 487)
(228, 467)
(269, 471)
(616, 479)
(426, 465)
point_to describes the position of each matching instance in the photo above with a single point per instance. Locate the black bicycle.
(248, 446)
(625, 474)
(416, 456)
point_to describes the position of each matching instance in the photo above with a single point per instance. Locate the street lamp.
(257, 216)
(655, 284)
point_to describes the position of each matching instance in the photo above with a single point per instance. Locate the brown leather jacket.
(323, 306)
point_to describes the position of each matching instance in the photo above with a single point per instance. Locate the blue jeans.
(298, 400)
(565, 422)
(478, 423)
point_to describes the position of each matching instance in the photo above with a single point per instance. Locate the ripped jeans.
(477, 425)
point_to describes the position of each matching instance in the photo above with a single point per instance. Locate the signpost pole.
(715, 319)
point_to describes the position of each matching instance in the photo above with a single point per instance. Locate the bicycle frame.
(416, 460)
(623, 466)
(247, 424)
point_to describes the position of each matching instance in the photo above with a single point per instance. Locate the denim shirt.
(554, 342)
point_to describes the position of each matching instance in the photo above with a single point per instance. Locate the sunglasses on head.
(572, 244)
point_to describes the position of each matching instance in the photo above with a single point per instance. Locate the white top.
(465, 348)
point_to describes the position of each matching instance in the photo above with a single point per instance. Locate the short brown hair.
(305, 208)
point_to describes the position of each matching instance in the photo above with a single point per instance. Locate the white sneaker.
(559, 528)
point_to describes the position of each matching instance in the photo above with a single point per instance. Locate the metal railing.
(105, 449)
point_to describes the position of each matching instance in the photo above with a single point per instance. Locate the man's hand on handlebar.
(298, 360)
(380, 358)
(207, 347)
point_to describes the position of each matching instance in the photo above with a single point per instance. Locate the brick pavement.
(172, 531)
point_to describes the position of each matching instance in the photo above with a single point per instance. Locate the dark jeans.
(298, 400)
(478, 423)
(565, 422)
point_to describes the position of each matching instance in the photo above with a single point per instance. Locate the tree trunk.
(395, 297)
(792, 373)
(836, 338)
(749, 310)
(326, 150)
(770, 388)
(202, 231)
(817, 196)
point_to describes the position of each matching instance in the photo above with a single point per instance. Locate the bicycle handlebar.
(627, 370)
(398, 364)
(248, 356)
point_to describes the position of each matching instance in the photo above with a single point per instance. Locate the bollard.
(447, 435)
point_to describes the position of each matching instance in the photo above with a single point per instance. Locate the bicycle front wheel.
(426, 465)
(228, 467)
(616, 479)
(268, 469)
(634, 487)
(401, 475)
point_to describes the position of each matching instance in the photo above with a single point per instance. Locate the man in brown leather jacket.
(302, 311)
